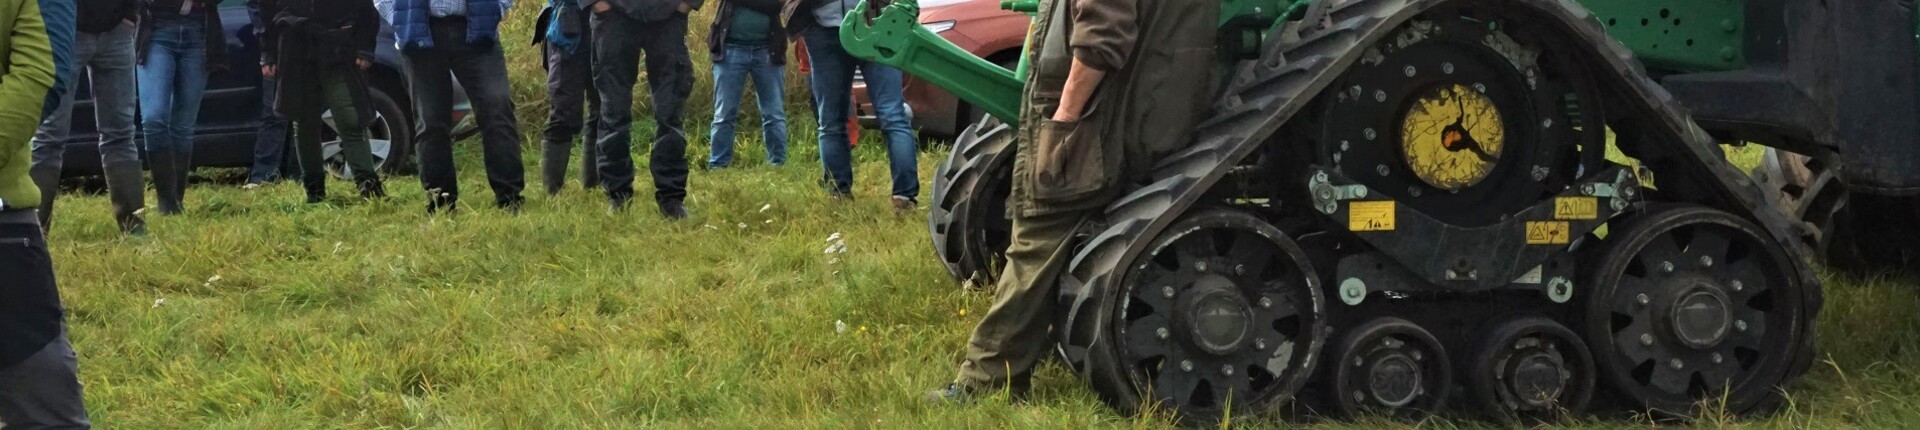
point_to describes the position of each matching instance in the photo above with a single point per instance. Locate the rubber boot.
(166, 177)
(48, 179)
(183, 169)
(316, 186)
(127, 190)
(590, 159)
(553, 165)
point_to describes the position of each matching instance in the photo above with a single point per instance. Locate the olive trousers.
(1012, 336)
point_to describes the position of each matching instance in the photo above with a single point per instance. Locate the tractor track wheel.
(968, 217)
(1389, 366)
(1530, 368)
(1690, 307)
(1222, 318)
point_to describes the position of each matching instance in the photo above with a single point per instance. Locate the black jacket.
(100, 16)
(305, 38)
(723, 23)
(644, 10)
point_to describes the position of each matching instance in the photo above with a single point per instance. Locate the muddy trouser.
(336, 90)
(1012, 336)
(43, 390)
(108, 59)
(569, 85)
(619, 41)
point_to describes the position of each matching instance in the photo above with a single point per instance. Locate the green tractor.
(1516, 208)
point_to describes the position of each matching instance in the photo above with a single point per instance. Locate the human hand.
(685, 8)
(363, 63)
(128, 22)
(602, 7)
(268, 70)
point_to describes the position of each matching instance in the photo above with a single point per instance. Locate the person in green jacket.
(39, 387)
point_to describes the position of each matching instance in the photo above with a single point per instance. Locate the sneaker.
(902, 205)
(955, 393)
(251, 186)
(952, 394)
(673, 210)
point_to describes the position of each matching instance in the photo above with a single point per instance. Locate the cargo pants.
(1012, 336)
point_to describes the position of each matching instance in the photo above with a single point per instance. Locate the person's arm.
(1104, 35)
(688, 6)
(366, 34)
(257, 15)
(29, 74)
(132, 9)
(386, 10)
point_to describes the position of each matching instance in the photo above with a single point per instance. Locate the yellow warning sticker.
(1548, 233)
(1370, 216)
(1576, 208)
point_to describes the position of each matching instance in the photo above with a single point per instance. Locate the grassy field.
(255, 311)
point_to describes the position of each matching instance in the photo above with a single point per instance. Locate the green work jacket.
(1158, 56)
(26, 72)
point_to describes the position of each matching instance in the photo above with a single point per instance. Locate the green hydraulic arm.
(896, 38)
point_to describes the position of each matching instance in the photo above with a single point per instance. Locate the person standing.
(270, 142)
(818, 23)
(103, 47)
(564, 38)
(39, 383)
(445, 39)
(320, 51)
(622, 30)
(180, 44)
(1125, 92)
(747, 43)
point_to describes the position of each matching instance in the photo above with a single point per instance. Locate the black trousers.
(39, 386)
(482, 70)
(570, 87)
(619, 40)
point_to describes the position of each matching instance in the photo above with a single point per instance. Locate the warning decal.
(1370, 216)
(1548, 233)
(1578, 208)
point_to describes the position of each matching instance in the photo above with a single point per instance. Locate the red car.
(978, 26)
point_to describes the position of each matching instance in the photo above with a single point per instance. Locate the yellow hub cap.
(1452, 136)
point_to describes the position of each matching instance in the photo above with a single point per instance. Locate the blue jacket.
(61, 18)
(411, 29)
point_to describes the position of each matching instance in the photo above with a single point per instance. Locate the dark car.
(231, 109)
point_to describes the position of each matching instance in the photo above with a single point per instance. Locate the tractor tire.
(968, 218)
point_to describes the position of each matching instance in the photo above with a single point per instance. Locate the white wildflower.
(159, 301)
(766, 207)
(839, 326)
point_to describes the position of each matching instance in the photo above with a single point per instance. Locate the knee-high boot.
(553, 164)
(166, 180)
(127, 190)
(47, 178)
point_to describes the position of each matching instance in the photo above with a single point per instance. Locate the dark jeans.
(482, 70)
(618, 42)
(832, 89)
(39, 387)
(336, 90)
(569, 87)
(270, 146)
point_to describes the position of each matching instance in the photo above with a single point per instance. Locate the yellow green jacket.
(26, 72)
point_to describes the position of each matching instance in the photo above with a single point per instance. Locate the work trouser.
(482, 70)
(336, 91)
(1012, 336)
(619, 40)
(41, 391)
(569, 86)
(108, 59)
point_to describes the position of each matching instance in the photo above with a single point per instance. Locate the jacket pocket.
(1070, 162)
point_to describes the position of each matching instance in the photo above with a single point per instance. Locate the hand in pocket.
(1069, 161)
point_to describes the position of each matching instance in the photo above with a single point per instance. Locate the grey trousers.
(44, 391)
(108, 59)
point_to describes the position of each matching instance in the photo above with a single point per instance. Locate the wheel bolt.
(1666, 266)
(1676, 364)
(1417, 356)
(1740, 325)
(1717, 358)
(1186, 365)
(1161, 333)
(1260, 344)
(1737, 285)
(1646, 339)
(1201, 266)
(1240, 270)
(1227, 369)
(1706, 261)
(1167, 291)
(1642, 299)
(1266, 303)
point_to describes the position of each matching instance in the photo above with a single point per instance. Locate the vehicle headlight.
(939, 27)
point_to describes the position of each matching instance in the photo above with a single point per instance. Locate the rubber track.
(959, 181)
(1311, 54)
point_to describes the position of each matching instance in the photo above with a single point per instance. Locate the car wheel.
(388, 135)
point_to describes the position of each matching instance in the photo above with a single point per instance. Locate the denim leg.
(729, 82)
(885, 88)
(670, 77)
(270, 144)
(114, 95)
(190, 83)
(832, 88)
(616, 66)
(770, 89)
(482, 71)
(50, 140)
(156, 95)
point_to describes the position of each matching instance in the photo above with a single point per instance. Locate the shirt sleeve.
(29, 74)
(57, 19)
(1104, 32)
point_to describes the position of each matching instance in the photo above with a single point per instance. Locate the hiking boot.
(673, 210)
(127, 190)
(956, 393)
(902, 205)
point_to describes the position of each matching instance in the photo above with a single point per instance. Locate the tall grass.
(254, 311)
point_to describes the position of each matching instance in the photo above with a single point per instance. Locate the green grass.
(255, 311)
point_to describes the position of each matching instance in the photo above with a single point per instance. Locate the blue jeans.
(832, 90)
(729, 82)
(270, 144)
(171, 82)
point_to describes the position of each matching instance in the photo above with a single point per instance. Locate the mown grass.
(255, 311)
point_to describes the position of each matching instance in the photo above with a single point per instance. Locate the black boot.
(553, 165)
(128, 192)
(47, 178)
(316, 185)
(370, 186)
(166, 177)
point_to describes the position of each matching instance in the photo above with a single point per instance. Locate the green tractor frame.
(1372, 169)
